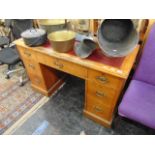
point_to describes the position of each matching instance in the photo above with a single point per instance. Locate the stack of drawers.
(102, 92)
(32, 67)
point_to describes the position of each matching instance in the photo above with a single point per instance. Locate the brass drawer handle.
(27, 53)
(102, 79)
(99, 94)
(98, 109)
(32, 66)
(58, 64)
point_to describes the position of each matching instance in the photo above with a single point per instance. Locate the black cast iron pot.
(34, 37)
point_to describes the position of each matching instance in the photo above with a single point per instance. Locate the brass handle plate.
(102, 79)
(59, 65)
(98, 109)
(99, 94)
(27, 53)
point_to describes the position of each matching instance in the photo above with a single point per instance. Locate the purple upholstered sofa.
(138, 102)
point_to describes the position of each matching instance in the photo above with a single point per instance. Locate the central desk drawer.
(63, 65)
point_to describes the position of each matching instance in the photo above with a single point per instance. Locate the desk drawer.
(104, 79)
(101, 95)
(37, 81)
(99, 110)
(28, 54)
(32, 67)
(63, 65)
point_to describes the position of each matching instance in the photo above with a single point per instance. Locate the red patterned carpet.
(15, 101)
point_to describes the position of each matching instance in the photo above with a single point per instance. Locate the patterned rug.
(15, 101)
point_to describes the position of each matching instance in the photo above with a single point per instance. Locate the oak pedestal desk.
(104, 77)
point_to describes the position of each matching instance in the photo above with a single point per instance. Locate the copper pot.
(62, 41)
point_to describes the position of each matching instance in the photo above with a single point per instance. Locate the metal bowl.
(62, 41)
(117, 40)
(51, 25)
